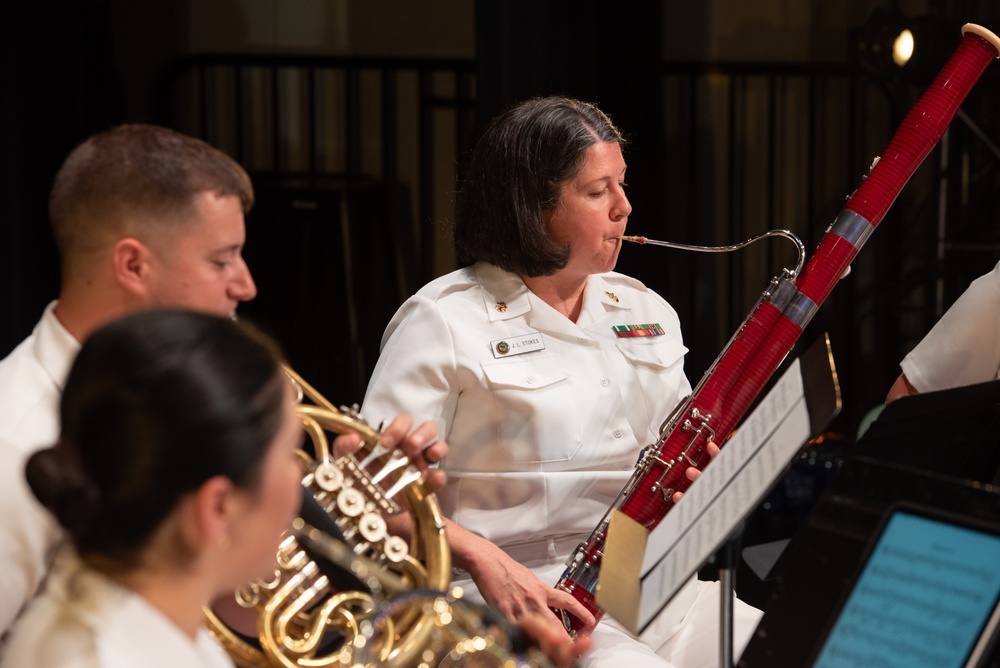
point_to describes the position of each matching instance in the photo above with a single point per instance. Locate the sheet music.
(922, 599)
(728, 489)
(781, 401)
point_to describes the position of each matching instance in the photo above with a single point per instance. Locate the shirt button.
(605, 382)
(625, 467)
(530, 380)
(617, 433)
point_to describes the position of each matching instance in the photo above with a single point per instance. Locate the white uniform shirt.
(540, 441)
(543, 438)
(31, 382)
(963, 348)
(84, 620)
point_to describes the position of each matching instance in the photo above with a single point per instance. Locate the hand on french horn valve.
(692, 472)
(420, 445)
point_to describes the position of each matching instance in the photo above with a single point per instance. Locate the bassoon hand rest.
(738, 375)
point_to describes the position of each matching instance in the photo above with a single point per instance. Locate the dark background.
(665, 75)
(71, 72)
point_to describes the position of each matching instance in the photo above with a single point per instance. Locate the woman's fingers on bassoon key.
(561, 600)
(692, 472)
(712, 449)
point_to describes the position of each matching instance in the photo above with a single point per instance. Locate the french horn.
(345, 591)
(308, 618)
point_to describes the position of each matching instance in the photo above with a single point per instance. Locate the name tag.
(517, 345)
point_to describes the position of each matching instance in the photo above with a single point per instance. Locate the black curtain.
(59, 85)
(608, 54)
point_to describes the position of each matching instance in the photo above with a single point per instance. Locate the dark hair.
(155, 404)
(144, 173)
(515, 174)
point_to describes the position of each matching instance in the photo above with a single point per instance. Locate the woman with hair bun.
(174, 476)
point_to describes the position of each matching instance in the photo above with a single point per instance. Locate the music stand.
(642, 571)
(894, 472)
(953, 432)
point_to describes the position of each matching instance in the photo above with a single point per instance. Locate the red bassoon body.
(739, 374)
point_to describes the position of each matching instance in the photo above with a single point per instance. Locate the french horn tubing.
(304, 620)
(466, 635)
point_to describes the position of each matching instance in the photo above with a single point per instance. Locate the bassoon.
(769, 332)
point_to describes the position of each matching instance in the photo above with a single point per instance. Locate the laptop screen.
(927, 592)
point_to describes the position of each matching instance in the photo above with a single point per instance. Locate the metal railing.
(390, 120)
(749, 147)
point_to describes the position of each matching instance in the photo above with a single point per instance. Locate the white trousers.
(692, 641)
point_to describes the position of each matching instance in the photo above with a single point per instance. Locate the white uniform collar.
(600, 300)
(506, 296)
(130, 625)
(54, 347)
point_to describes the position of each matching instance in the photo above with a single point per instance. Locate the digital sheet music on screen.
(924, 596)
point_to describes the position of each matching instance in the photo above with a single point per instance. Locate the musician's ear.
(132, 264)
(214, 505)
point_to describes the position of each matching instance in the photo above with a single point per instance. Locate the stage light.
(892, 46)
(902, 48)
(874, 41)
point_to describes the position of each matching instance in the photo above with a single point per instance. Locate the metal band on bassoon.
(853, 228)
(794, 305)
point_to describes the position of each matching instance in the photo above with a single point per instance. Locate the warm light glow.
(902, 48)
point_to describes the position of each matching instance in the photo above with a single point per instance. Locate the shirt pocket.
(529, 398)
(659, 373)
(656, 355)
(529, 373)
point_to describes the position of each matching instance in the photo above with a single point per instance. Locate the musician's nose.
(621, 207)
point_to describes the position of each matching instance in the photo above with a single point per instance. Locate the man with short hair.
(143, 216)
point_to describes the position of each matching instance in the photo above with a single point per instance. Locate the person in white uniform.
(548, 371)
(174, 476)
(963, 347)
(142, 216)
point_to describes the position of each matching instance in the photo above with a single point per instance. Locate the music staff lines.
(983, 573)
(903, 575)
(878, 650)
